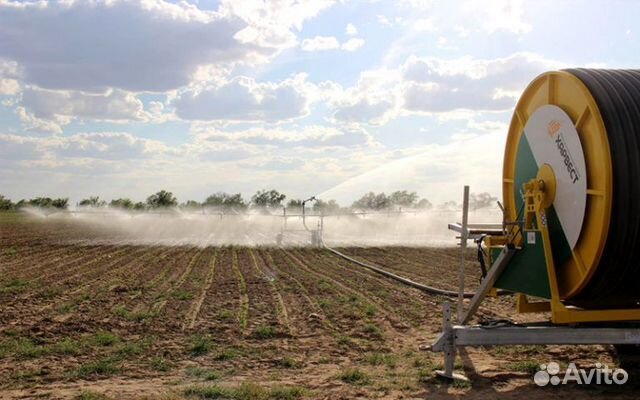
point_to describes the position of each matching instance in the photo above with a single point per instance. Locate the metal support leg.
(449, 347)
(464, 235)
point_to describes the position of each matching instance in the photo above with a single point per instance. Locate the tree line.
(262, 199)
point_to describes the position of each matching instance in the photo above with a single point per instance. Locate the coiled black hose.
(616, 281)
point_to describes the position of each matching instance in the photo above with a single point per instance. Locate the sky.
(337, 98)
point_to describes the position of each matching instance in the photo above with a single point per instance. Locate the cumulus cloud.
(383, 20)
(506, 16)
(244, 99)
(144, 45)
(500, 15)
(439, 85)
(106, 145)
(373, 100)
(365, 110)
(424, 25)
(32, 123)
(319, 43)
(270, 22)
(351, 30)
(322, 43)
(9, 87)
(112, 105)
(8, 78)
(13, 147)
(314, 136)
(99, 145)
(352, 44)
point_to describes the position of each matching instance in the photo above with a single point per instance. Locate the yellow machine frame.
(538, 195)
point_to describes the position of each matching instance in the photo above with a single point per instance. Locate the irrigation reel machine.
(569, 244)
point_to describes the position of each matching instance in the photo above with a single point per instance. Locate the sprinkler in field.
(304, 202)
(316, 234)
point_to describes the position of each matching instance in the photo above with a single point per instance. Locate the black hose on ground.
(409, 282)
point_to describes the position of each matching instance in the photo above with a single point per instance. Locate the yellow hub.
(546, 175)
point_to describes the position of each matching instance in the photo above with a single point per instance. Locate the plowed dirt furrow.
(68, 269)
(154, 284)
(37, 309)
(106, 274)
(194, 309)
(31, 235)
(424, 256)
(335, 277)
(243, 310)
(55, 285)
(162, 283)
(262, 309)
(316, 293)
(159, 305)
(111, 302)
(13, 255)
(439, 272)
(444, 263)
(295, 298)
(380, 291)
(176, 303)
(220, 307)
(31, 268)
(281, 310)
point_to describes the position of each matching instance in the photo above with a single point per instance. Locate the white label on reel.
(554, 140)
(531, 238)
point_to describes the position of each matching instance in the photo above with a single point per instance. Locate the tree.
(162, 199)
(93, 201)
(449, 205)
(372, 201)
(140, 206)
(44, 202)
(402, 198)
(481, 200)
(5, 204)
(424, 204)
(61, 203)
(191, 204)
(294, 203)
(268, 199)
(226, 201)
(326, 207)
(123, 203)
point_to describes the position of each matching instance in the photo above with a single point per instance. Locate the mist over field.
(409, 228)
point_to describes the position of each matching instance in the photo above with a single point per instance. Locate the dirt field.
(91, 321)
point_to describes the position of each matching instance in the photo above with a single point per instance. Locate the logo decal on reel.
(568, 160)
(553, 129)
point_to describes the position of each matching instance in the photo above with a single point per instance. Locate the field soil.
(89, 318)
